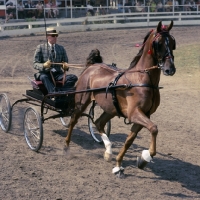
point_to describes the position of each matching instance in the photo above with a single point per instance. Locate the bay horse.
(137, 101)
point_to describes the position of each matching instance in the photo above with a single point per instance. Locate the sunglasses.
(53, 35)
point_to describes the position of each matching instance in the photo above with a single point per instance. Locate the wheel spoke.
(32, 129)
(5, 117)
(35, 132)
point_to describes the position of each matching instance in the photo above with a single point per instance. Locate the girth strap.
(113, 92)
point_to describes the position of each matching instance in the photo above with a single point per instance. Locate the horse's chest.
(144, 97)
(142, 93)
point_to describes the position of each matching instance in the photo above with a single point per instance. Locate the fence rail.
(110, 21)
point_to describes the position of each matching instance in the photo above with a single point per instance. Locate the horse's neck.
(146, 63)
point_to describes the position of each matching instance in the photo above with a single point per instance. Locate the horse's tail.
(94, 57)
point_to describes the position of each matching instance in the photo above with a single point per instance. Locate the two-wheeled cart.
(62, 103)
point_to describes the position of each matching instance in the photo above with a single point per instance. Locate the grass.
(188, 56)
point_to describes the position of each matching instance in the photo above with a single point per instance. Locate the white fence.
(110, 21)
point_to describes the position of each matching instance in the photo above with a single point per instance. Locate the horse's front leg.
(147, 155)
(118, 170)
(140, 120)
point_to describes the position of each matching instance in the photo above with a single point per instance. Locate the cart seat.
(38, 85)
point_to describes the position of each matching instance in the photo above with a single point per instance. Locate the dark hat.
(51, 31)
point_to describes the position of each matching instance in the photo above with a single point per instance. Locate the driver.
(45, 55)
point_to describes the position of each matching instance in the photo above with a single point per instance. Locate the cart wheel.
(65, 121)
(33, 130)
(95, 113)
(5, 113)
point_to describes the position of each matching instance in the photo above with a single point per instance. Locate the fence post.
(148, 15)
(1, 28)
(115, 19)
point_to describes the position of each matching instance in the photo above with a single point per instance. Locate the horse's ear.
(170, 26)
(159, 27)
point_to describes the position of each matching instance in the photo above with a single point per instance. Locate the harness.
(113, 92)
(112, 88)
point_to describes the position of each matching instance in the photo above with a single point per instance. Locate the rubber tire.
(33, 129)
(65, 121)
(5, 113)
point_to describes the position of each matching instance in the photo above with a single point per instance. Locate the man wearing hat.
(45, 55)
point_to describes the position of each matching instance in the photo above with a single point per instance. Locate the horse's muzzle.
(168, 67)
(169, 72)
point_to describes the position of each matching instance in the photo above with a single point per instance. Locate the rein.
(144, 70)
(111, 88)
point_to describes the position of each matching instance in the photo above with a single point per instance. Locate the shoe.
(52, 98)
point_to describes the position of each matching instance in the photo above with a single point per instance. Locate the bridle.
(155, 47)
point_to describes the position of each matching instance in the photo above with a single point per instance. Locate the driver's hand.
(47, 64)
(65, 66)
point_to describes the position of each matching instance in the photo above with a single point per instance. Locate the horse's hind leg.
(74, 119)
(80, 107)
(100, 124)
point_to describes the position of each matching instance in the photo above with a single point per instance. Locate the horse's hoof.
(119, 172)
(141, 163)
(107, 157)
(66, 150)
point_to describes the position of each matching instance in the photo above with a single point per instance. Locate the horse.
(135, 102)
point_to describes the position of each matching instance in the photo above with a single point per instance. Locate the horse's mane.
(138, 56)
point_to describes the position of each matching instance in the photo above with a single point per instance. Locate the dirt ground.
(50, 174)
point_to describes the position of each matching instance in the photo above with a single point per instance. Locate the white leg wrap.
(146, 155)
(107, 143)
(117, 169)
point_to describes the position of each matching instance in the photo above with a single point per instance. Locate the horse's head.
(163, 45)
